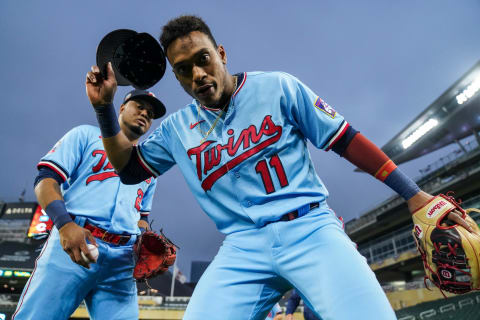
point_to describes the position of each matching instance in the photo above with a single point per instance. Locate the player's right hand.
(100, 91)
(289, 317)
(72, 239)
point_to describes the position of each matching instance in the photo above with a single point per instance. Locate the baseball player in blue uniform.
(82, 193)
(241, 145)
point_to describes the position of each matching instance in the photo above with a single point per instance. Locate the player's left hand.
(421, 198)
(142, 224)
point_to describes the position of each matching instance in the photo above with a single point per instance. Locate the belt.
(106, 236)
(292, 215)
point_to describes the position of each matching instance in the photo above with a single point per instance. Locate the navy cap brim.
(159, 109)
(137, 58)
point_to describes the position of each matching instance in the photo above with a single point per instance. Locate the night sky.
(378, 63)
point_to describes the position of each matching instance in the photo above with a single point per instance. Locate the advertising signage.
(19, 210)
(41, 224)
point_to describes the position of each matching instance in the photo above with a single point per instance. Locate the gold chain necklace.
(205, 135)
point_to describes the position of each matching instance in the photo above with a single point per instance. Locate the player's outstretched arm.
(100, 92)
(368, 157)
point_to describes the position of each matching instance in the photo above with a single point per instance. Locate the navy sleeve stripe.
(337, 136)
(145, 164)
(45, 172)
(55, 167)
(134, 172)
(344, 141)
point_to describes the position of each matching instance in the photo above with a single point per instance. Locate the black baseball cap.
(158, 107)
(137, 58)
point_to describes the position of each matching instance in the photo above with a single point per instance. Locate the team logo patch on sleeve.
(323, 106)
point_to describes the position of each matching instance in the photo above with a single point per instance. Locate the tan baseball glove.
(450, 253)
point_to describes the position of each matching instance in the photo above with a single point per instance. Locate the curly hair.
(182, 26)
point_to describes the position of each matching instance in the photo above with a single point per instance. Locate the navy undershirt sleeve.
(45, 172)
(133, 172)
(344, 141)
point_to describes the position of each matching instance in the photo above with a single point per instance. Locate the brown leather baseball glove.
(155, 253)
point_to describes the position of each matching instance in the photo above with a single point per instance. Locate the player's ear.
(122, 107)
(222, 53)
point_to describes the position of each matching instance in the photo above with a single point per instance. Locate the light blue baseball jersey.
(251, 169)
(91, 186)
(254, 166)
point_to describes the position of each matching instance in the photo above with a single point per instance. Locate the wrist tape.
(57, 211)
(402, 184)
(107, 120)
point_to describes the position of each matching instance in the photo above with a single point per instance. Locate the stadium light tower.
(451, 117)
(421, 131)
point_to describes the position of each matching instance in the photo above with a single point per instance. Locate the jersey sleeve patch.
(325, 107)
(55, 167)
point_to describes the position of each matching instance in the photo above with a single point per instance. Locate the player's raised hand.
(100, 91)
(72, 239)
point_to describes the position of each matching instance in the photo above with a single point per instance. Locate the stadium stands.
(383, 234)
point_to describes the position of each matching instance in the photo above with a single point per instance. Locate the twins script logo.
(101, 176)
(250, 139)
(435, 209)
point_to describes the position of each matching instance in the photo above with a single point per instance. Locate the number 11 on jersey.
(262, 169)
